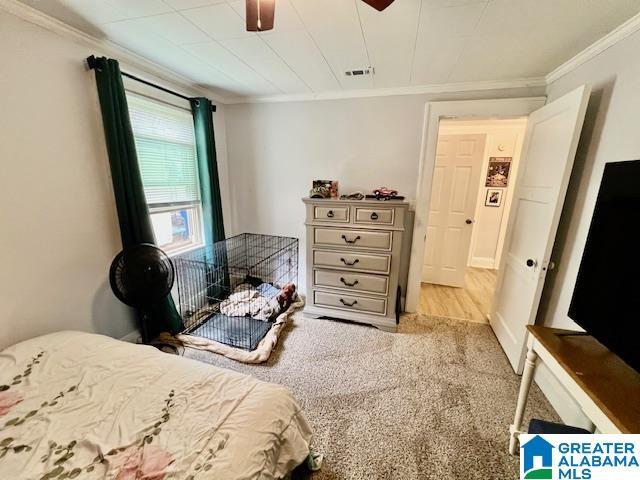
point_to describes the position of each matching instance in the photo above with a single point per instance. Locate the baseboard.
(131, 337)
(562, 402)
(482, 262)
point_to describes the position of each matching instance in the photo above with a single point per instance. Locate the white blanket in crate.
(258, 302)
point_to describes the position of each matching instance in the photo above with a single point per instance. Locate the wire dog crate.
(232, 291)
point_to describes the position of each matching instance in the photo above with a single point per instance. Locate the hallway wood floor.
(472, 303)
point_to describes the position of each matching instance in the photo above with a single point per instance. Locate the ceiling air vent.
(360, 71)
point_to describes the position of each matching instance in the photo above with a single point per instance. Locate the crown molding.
(596, 48)
(129, 59)
(144, 67)
(444, 88)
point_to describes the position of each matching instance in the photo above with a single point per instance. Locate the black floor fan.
(142, 276)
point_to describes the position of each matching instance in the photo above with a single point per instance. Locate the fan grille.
(141, 275)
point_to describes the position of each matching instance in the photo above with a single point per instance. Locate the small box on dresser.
(354, 251)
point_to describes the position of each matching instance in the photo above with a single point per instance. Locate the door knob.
(531, 262)
(468, 221)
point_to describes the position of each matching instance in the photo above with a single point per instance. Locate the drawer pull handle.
(351, 264)
(330, 214)
(374, 216)
(344, 237)
(355, 282)
(347, 304)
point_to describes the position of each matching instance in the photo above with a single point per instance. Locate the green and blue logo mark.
(536, 459)
(580, 457)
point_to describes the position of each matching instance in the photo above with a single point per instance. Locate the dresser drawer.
(374, 216)
(331, 214)
(367, 262)
(353, 238)
(355, 303)
(358, 282)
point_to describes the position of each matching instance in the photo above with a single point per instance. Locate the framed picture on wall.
(498, 172)
(494, 197)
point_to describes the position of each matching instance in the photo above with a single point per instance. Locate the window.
(165, 144)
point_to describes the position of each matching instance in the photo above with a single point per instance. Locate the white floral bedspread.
(78, 405)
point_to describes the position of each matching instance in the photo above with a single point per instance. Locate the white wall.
(58, 222)
(490, 222)
(610, 134)
(276, 149)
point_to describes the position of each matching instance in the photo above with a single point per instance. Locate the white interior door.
(456, 179)
(548, 152)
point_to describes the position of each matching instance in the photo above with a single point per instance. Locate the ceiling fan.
(260, 13)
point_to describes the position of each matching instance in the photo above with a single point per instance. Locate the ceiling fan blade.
(260, 15)
(379, 5)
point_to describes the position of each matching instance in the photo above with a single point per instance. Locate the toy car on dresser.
(384, 193)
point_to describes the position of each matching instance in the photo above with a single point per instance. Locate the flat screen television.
(606, 299)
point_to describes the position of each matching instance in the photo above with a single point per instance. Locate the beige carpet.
(433, 401)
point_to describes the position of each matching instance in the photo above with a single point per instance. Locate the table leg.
(523, 396)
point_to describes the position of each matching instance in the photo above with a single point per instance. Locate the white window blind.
(165, 144)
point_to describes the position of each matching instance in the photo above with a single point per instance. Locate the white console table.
(606, 388)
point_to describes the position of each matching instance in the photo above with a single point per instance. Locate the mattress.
(82, 405)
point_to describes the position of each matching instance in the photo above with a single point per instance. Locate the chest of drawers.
(354, 251)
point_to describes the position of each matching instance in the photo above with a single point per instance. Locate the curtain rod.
(92, 63)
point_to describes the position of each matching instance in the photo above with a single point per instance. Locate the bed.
(82, 405)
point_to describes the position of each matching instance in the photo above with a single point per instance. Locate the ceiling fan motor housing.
(260, 13)
(379, 5)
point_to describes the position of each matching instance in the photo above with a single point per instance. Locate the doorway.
(548, 150)
(471, 193)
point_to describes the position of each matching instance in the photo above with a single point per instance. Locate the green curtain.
(208, 170)
(217, 270)
(133, 213)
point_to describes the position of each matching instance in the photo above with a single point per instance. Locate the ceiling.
(412, 42)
